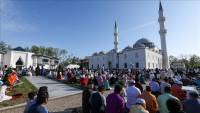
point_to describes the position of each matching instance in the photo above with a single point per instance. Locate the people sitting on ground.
(138, 85)
(150, 99)
(174, 106)
(132, 94)
(60, 76)
(84, 81)
(155, 87)
(3, 92)
(163, 84)
(192, 105)
(123, 93)
(31, 101)
(177, 91)
(99, 80)
(98, 101)
(139, 107)
(106, 81)
(115, 103)
(162, 99)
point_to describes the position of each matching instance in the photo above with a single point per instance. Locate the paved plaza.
(62, 97)
(56, 89)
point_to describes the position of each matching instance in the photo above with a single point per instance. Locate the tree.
(49, 51)
(4, 47)
(27, 49)
(172, 59)
(35, 49)
(42, 50)
(194, 61)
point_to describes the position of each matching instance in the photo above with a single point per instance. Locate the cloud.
(142, 26)
(11, 19)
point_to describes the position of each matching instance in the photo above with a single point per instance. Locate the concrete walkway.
(56, 89)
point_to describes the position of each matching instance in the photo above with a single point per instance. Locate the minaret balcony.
(163, 31)
(161, 19)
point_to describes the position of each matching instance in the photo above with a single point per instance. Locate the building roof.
(45, 56)
(140, 44)
(143, 42)
(19, 49)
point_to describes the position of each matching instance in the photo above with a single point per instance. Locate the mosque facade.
(142, 54)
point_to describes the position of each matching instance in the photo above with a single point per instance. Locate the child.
(30, 102)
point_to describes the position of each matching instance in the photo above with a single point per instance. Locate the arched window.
(19, 62)
(117, 65)
(125, 65)
(137, 65)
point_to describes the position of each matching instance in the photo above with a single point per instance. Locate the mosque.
(143, 54)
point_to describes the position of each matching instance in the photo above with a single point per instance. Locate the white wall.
(11, 57)
(1, 60)
(132, 57)
(7, 59)
(142, 56)
(153, 59)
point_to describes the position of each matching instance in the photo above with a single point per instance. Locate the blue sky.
(86, 26)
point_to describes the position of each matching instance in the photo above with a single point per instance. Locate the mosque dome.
(111, 51)
(102, 52)
(127, 48)
(143, 43)
(95, 54)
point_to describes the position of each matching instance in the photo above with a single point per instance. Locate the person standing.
(162, 100)
(30, 102)
(132, 94)
(97, 101)
(151, 101)
(115, 102)
(41, 102)
(37, 71)
(85, 100)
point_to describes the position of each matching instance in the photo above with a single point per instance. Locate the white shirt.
(132, 94)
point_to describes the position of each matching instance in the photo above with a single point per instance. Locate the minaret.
(162, 32)
(116, 38)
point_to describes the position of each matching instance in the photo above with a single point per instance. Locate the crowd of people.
(142, 91)
(130, 91)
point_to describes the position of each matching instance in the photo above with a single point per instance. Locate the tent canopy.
(71, 66)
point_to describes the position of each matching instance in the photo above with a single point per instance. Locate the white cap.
(140, 101)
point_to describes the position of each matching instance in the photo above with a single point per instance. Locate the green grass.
(24, 89)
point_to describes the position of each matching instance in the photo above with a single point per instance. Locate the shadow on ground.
(70, 110)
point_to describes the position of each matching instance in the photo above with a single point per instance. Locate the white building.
(143, 54)
(18, 58)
